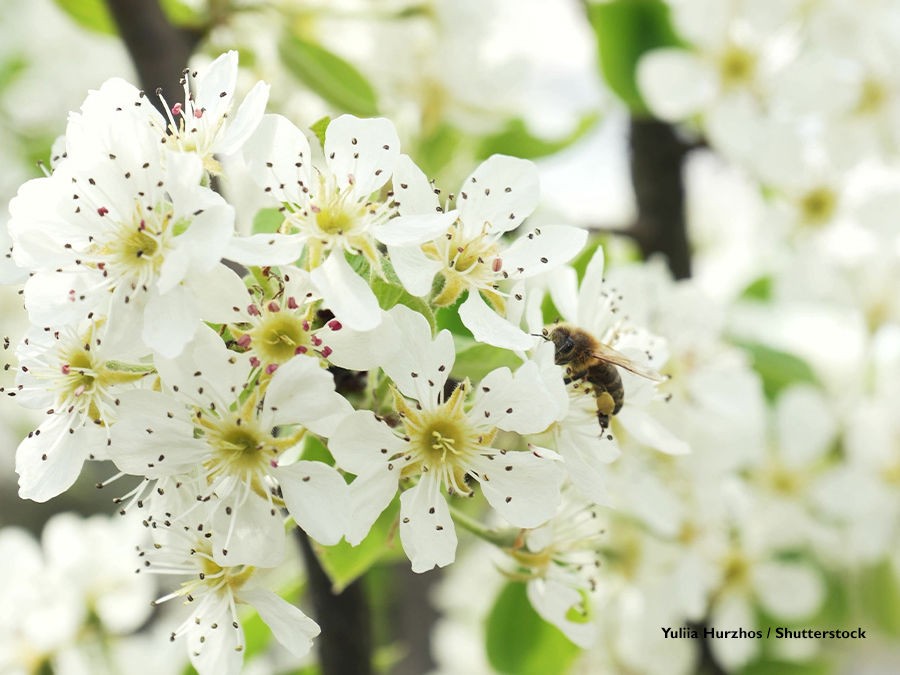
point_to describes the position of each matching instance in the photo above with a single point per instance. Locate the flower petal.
(523, 487)
(487, 326)
(675, 83)
(346, 293)
(519, 402)
(49, 459)
(291, 627)
(317, 497)
(370, 493)
(214, 651)
(361, 153)
(426, 528)
(302, 392)
(650, 431)
(279, 159)
(247, 530)
(265, 249)
(502, 191)
(361, 443)
(245, 120)
(788, 590)
(542, 249)
(170, 321)
(414, 269)
(413, 192)
(552, 601)
(414, 229)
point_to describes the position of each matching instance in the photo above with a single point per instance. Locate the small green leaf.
(319, 127)
(390, 294)
(448, 317)
(314, 450)
(183, 15)
(10, 69)
(519, 642)
(625, 30)
(438, 148)
(90, 14)
(328, 75)
(759, 289)
(267, 221)
(518, 141)
(476, 359)
(345, 563)
(778, 369)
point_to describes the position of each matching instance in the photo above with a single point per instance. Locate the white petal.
(502, 191)
(213, 651)
(251, 534)
(359, 350)
(318, 498)
(361, 153)
(218, 78)
(265, 249)
(426, 528)
(170, 321)
(543, 249)
(563, 286)
(650, 431)
(487, 326)
(49, 459)
(788, 590)
(346, 293)
(552, 601)
(414, 269)
(58, 298)
(412, 190)
(731, 612)
(221, 295)
(675, 83)
(414, 229)
(522, 486)
(418, 365)
(206, 371)
(517, 402)
(805, 425)
(137, 451)
(291, 627)
(245, 120)
(590, 291)
(302, 392)
(370, 493)
(361, 443)
(279, 158)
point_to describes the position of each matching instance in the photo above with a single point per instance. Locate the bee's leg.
(606, 405)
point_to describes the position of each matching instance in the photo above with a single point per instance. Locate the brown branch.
(346, 644)
(159, 50)
(657, 157)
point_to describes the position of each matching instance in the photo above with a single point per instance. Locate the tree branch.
(159, 50)
(345, 645)
(657, 157)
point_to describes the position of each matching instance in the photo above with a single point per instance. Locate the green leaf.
(476, 359)
(345, 563)
(773, 666)
(519, 642)
(879, 590)
(10, 69)
(90, 14)
(516, 140)
(759, 289)
(438, 148)
(319, 127)
(778, 369)
(625, 30)
(328, 75)
(185, 16)
(267, 221)
(448, 317)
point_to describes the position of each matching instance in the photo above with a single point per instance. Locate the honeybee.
(588, 360)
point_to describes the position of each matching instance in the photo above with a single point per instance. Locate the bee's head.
(565, 345)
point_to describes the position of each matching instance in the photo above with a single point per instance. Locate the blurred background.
(746, 152)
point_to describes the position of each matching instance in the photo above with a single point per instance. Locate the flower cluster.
(303, 375)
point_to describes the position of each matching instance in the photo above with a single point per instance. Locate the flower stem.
(505, 538)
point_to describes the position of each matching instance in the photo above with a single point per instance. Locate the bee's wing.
(607, 354)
